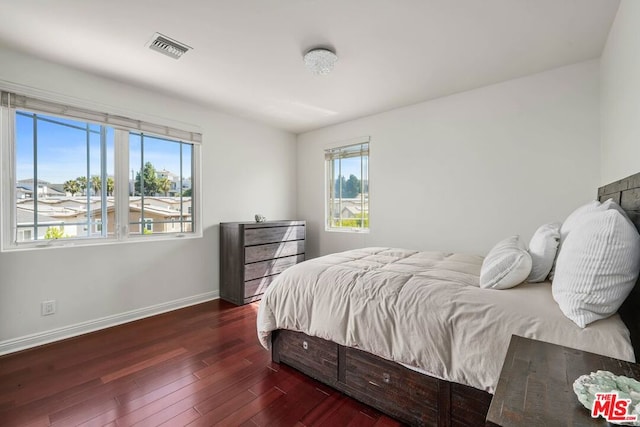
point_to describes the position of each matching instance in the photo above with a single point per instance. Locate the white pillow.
(597, 267)
(578, 216)
(507, 264)
(542, 248)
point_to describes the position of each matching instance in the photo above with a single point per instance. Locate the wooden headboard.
(626, 193)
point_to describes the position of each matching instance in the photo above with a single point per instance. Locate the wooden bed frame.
(412, 397)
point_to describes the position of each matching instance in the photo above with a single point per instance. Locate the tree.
(350, 188)
(71, 186)
(359, 221)
(96, 184)
(54, 233)
(149, 180)
(82, 182)
(164, 185)
(187, 193)
(110, 186)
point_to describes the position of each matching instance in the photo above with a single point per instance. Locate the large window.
(76, 176)
(347, 177)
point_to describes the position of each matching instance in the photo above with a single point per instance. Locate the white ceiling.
(247, 57)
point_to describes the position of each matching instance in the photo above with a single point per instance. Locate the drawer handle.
(386, 378)
(305, 345)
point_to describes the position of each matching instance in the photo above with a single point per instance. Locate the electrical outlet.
(48, 307)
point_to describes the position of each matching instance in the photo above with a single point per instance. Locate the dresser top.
(253, 224)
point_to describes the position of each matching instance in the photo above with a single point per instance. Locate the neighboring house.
(186, 184)
(350, 208)
(26, 231)
(351, 212)
(161, 215)
(45, 189)
(23, 192)
(157, 220)
(173, 179)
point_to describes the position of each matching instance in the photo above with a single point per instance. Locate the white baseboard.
(40, 338)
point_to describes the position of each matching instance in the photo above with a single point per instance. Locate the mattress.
(425, 310)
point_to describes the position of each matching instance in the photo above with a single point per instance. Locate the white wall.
(247, 168)
(468, 169)
(620, 93)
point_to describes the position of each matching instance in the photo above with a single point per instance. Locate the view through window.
(61, 166)
(66, 179)
(347, 170)
(160, 190)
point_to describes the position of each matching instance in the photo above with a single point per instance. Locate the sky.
(349, 166)
(62, 150)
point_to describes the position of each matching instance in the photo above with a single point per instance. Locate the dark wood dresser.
(536, 385)
(252, 254)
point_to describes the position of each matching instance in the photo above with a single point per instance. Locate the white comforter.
(425, 310)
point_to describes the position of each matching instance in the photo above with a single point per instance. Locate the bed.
(332, 334)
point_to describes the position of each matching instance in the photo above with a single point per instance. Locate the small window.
(347, 177)
(148, 225)
(24, 235)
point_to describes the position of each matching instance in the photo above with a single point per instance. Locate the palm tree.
(164, 185)
(110, 186)
(96, 184)
(71, 186)
(82, 183)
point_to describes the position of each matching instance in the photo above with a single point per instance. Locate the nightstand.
(536, 385)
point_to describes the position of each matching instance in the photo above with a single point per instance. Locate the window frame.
(329, 157)
(8, 180)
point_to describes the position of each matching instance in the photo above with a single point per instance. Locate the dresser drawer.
(404, 390)
(268, 268)
(257, 286)
(318, 357)
(258, 236)
(273, 250)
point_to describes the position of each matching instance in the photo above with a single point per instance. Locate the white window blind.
(12, 100)
(357, 150)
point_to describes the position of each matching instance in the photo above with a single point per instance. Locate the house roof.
(355, 210)
(60, 209)
(24, 216)
(166, 213)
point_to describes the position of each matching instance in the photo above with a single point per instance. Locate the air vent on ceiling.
(167, 46)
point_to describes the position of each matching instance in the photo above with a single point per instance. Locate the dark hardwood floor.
(198, 366)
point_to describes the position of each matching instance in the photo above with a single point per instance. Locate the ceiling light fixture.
(320, 60)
